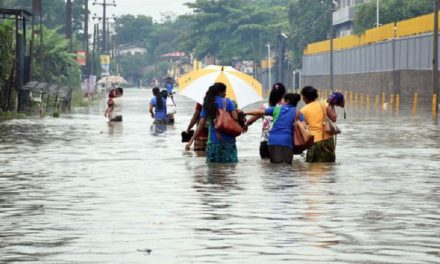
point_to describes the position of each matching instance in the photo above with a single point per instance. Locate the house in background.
(131, 49)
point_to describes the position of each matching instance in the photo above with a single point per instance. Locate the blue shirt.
(169, 86)
(212, 137)
(281, 133)
(159, 114)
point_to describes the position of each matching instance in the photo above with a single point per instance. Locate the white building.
(131, 49)
(343, 17)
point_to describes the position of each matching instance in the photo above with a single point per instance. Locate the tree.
(60, 66)
(133, 29)
(54, 13)
(390, 11)
(7, 60)
(231, 30)
(310, 21)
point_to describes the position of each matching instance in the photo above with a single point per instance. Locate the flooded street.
(76, 190)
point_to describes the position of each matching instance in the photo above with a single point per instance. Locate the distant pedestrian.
(323, 149)
(275, 99)
(158, 108)
(171, 107)
(114, 105)
(280, 138)
(221, 147)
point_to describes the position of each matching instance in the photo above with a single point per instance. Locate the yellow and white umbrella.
(112, 79)
(241, 87)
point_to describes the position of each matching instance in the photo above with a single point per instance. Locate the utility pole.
(377, 14)
(104, 5)
(86, 35)
(435, 87)
(69, 23)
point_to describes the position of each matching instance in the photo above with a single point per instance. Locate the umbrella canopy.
(112, 79)
(241, 87)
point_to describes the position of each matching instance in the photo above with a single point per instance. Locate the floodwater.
(76, 190)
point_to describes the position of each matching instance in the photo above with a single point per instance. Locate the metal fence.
(412, 53)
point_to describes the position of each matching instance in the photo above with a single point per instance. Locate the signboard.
(247, 67)
(81, 57)
(105, 65)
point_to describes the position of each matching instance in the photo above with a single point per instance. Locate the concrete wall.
(399, 66)
(403, 82)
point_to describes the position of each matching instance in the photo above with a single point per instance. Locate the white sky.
(151, 8)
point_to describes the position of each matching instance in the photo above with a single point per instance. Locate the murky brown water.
(74, 190)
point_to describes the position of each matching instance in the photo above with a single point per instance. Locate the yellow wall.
(413, 26)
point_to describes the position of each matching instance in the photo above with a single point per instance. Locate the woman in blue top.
(281, 134)
(158, 104)
(221, 147)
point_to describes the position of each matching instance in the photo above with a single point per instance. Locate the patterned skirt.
(221, 153)
(322, 151)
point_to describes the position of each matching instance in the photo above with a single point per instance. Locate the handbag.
(226, 124)
(302, 139)
(329, 126)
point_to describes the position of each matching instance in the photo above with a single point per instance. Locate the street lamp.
(269, 65)
(334, 7)
(281, 37)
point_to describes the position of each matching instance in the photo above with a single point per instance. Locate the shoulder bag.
(329, 126)
(225, 123)
(302, 139)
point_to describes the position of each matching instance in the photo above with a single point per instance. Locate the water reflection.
(69, 193)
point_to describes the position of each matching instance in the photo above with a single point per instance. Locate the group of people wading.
(278, 118)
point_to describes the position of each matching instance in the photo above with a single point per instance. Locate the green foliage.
(390, 11)
(310, 21)
(60, 66)
(54, 13)
(132, 66)
(231, 30)
(133, 29)
(6, 54)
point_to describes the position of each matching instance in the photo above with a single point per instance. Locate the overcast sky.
(151, 8)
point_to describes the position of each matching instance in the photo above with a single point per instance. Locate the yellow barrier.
(404, 28)
(368, 103)
(434, 106)
(415, 101)
(377, 104)
(397, 103)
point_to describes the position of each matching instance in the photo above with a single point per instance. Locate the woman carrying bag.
(221, 147)
(319, 116)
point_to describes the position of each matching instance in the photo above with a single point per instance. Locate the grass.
(11, 115)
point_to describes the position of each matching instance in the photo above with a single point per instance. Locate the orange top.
(314, 116)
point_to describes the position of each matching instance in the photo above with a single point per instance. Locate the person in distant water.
(158, 108)
(280, 139)
(323, 149)
(221, 147)
(202, 138)
(275, 99)
(169, 85)
(114, 105)
(171, 107)
(335, 99)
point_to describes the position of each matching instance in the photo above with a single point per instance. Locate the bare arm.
(255, 112)
(193, 121)
(151, 110)
(200, 127)
(331, 113)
